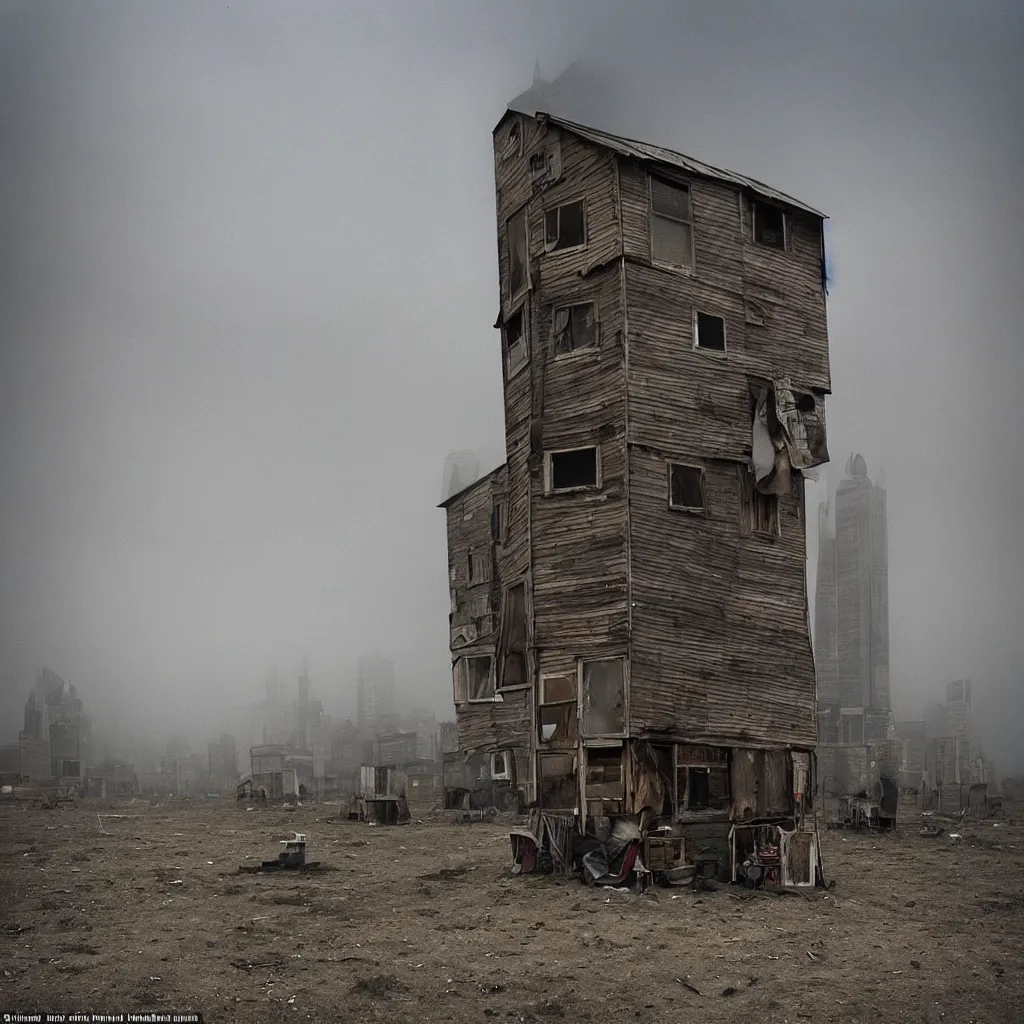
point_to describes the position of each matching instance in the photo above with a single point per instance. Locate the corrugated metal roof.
(658, 154)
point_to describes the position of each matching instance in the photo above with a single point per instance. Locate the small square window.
(686, 487)
(769, 226)
(517, 348)
(565, 227)
(575, 327)
(573, 470)
(709, 332)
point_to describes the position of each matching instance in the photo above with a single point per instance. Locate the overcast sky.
(249, 281)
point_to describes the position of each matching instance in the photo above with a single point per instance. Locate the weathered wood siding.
(733, 277)
(571, 548)
(505, 722)
(720, 649)
(720, 645)
(718, 633)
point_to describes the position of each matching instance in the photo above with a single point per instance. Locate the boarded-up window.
(557, 709)
(603, 697)
(571, 470)
(565, 227)
(709, 332)
(557, 782)
(685, 487)
(518, 276)
(671, 225)
(477, 680)
(575, 327)
(769, 226)
(517, 345)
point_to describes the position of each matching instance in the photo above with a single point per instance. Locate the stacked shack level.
(629, 624)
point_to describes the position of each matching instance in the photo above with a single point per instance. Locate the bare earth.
(424, 922)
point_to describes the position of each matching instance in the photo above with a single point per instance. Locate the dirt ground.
(423, 922)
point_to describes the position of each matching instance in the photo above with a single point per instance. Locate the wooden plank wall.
(486, 725)
(720, 640)
(570, 548)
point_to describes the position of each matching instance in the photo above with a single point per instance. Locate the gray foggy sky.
(249, 280)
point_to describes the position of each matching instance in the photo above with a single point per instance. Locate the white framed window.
(686, 488)
(516, 343)
(572, 469)
(769, 224)
(671, 223)
(565, 227)
(708, 331)
(574, 327)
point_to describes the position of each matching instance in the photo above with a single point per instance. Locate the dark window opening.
(765, 512)
(704, 789)
(515, 669)
(710, 332)
(769, 226)
(479, 678)
(517, 254)
(516, 347)
(575, 327)
(604, 766)
(558, 723)
(514, 636)
(804, 402)
(565, 227)
(557, 788)
(603, 781)
(686, 487)
(671, 229)
(498, 512)
(573, 469)
(557, 715)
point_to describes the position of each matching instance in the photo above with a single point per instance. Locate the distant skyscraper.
(375, 693)
(852, 611)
